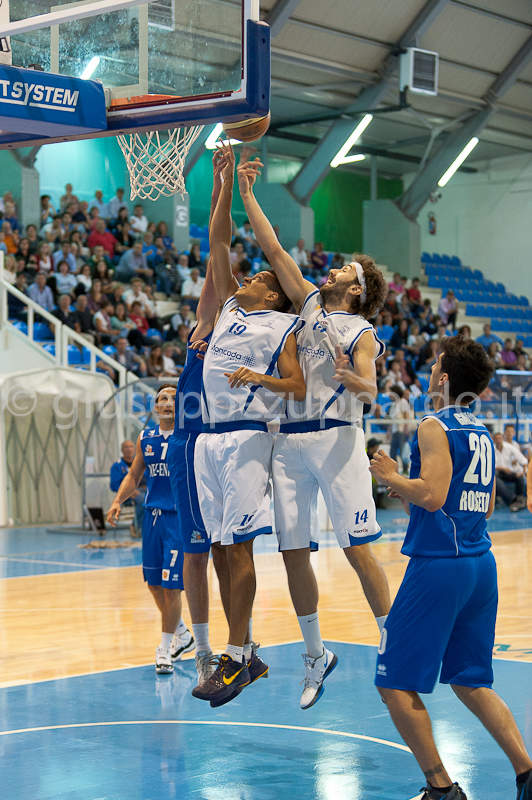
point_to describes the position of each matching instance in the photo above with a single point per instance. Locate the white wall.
(486, 219)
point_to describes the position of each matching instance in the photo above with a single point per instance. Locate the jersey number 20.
(482, 451)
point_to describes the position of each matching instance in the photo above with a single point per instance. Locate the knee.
(196, 562)
(358, 555)
(296, 559)
(171, 595)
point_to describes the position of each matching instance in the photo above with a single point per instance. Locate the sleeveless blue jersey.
(188, 393)
(459, 527)
(154, 449)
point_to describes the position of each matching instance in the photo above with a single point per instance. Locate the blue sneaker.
(316, 670)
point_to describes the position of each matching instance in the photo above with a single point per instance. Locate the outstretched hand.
(247, 171)
(227, 160)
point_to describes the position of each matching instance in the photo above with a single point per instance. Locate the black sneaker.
(456, 793)
(256, 666)
(226, 682)
(524, 790)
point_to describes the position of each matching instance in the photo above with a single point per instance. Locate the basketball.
(248, 130)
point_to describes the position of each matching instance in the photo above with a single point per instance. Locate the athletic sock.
(166, 640)
(310, 628)
(247, 645)
(248, 652)
(381, 622)
(236, 653)
(181, 627)
(201, 636)
(523, 777)
(443, 789)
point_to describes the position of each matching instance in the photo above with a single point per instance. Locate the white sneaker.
(204, 667)
(163, 661)
(316, 670)
(180, 645)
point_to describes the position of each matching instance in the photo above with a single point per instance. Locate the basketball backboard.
(163, 63)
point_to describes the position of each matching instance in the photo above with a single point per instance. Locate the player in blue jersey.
(321, 445)
(162, 554)
(250, 364)
(444, 614)
(195, 540)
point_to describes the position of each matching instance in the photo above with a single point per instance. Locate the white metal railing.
(63, 335)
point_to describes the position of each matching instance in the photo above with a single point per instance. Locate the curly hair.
(376, 288)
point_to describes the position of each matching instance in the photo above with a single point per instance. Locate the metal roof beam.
(280, 14)
(510, 73)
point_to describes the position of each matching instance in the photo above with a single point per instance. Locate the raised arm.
(430, 490)
(128, 485)
(225, 282)
(288, 273)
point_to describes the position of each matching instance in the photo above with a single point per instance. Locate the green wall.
(338, 208)
(199, 187)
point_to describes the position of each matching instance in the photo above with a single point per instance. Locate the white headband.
(361, 280)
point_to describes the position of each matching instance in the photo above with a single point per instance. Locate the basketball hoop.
(156, 160)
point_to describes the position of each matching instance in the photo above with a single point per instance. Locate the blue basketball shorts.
(162, 553)
(181, 449)
(442, 618)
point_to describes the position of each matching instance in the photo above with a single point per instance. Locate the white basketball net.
(156, 160)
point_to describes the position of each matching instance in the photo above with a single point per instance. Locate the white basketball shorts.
(233, 472)
(336, 462)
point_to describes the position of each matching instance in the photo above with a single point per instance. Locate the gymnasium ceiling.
(325, 52)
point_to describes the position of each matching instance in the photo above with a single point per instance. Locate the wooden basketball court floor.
(84, 716)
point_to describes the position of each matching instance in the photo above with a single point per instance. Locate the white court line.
(54, 563)
(395, 745)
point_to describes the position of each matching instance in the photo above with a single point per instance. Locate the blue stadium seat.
(42, 333)
(204, 245)
(424, 380)
(21, 326)
(195, 231)
(482, 311)
(524, 300)
(85, 356)
(501, 288)
(437, 259)
(330, 257)
(50, 348)
(456, 261)
(426, 258)
(74, 355)
(153, 333)
(109, 350)
(446, 259)
(421, 404)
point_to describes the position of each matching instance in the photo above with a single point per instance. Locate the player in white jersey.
(320, 446)
(252, 340)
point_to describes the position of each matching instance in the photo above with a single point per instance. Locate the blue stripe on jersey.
(158, 489)
(335, 397)
(309, 297)
(459, 527)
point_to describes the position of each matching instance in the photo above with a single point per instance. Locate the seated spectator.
(181, 345)
(95, 296)
(83, 319)
(414, 297)
(65, 313)
(510, 468)
(518, 349)
(84, 279)
(237, 253)
(155, 363)
(65, 281)
(139, 222)
(64, 254)
(105, 333)
(194, 258)
(149, 248)
(78, 238)
(121, 219)
(392, 306)
(11, 237)
(122, 321)
(40, 293)
(3, 246)
(23, 250)
(191, 289)
(16, 308)
(441, 330)
(117, 204)
(396, 284)
(386, 329)
(300, 255)
(169, 360)
(185, 317)
(408, 374)
(136, 293)
(522, 365)
(318, 258)
(428, 356)
(119, 471)
(33, 239)
(508, 357)
(32, 266)
(415, 388)
(162, 231)
(183, 268)
(338, 261)
(488, 337)
(11, 216)
(44, 259)
(400, 335)
(448, 309)
(247, 237)
(395, 376)
(47, 210)
(67, 225)
(80, 261)
(406, 308)
(67, 198)
(52, 232)
(99, 254)
(99, 203)
(139, 318)
(124, 238)
(426, 317)
(10, 270)
(494, 354)
(128, 358)
(240, 271)
(104, 237)
(415, 341)
(83, 218)
(151, 308)
(465, 331)
(133, 264)
(94, 216)
(105, 275)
